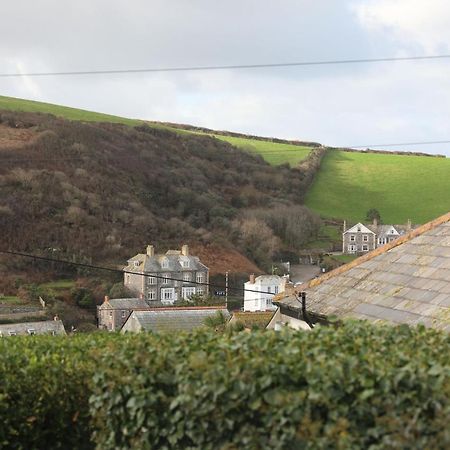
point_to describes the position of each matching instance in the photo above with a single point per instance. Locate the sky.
(351, 105)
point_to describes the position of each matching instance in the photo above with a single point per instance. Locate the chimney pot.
(375, 222)
(150, 250)
(252, 278)
(105, 299)
(185, 250)
(141, 296)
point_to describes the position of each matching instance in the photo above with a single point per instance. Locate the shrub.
(358, 386)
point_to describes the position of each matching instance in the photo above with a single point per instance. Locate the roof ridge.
(379, 251)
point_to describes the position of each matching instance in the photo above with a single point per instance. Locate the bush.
(358, 386)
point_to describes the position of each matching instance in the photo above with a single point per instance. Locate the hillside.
(401, 187)
(102, 191)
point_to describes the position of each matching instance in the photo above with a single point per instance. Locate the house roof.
(174, 318)
(173, 260)
(123, 303)
(43, 327)
(405, 281)
(359, 227)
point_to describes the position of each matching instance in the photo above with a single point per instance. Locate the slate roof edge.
(385, 248)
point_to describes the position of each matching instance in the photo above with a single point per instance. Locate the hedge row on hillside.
(357, 386)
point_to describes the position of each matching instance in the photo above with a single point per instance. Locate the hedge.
(356, 386)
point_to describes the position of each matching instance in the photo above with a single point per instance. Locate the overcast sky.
(335, 105)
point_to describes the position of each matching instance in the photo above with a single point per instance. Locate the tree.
(373, 214)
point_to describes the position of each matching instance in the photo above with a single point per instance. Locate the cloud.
(409, 22)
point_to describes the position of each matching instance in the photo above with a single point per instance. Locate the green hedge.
(358, 386)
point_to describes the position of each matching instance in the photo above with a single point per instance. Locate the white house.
(259, 292)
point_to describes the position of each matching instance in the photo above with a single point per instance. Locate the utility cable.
(110, 269)
(225, 67)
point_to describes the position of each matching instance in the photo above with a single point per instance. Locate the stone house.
(362, 238)
(113, 313)
(266, 286)
(161, 274)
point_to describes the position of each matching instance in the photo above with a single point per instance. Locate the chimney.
(252, 278)
(56, 317)
(375, 222)
(141, 296)
(408, 225)
(150, 250)
(345, 226)
(185, 250)
(106, 299)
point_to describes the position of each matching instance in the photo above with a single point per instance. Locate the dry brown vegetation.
(101, 191)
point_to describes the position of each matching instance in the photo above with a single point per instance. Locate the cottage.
(362, 238)
(404, 281)
(259, 291)
(155, 276)
(171, 320)
(113, 313)
(49, 327)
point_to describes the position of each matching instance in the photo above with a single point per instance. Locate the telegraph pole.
(226, 289)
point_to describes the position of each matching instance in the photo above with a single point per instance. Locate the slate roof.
(123, 303)
(173, 258)
(174, 318)
(405, 281)
(43, 327)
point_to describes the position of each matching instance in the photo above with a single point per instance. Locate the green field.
(400, 187)
(273, 152)
(17, 104)
(59, 285)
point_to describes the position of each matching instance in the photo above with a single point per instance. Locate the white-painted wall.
(262, 300)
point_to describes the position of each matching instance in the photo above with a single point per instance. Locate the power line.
(402, 144)
(110, 269)
(224, 67)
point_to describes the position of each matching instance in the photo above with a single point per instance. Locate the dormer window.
(165, 263)
(31, 331)
(185, 264)
(359, 228)
(136, 263)
(12, 333)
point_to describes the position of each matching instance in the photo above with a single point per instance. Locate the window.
(151, 280)
(276, 290)
(365, 248)
(200, 291)
(352, 238)
(136, 263)
(165, 263)
(127, 279)
(31, 331)
(199, 278)
(352, 248)
(167, 295)
(124, 314)
(365, 238)
(165, 279)
(186, 292)
(12, 333)
(185, 264)
(359, 228)
(110, 314)
(269, 289)
(152, 294)
(186, 276)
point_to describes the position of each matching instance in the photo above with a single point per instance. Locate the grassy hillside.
(273, 152)
(400, 187)
(17, 104)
